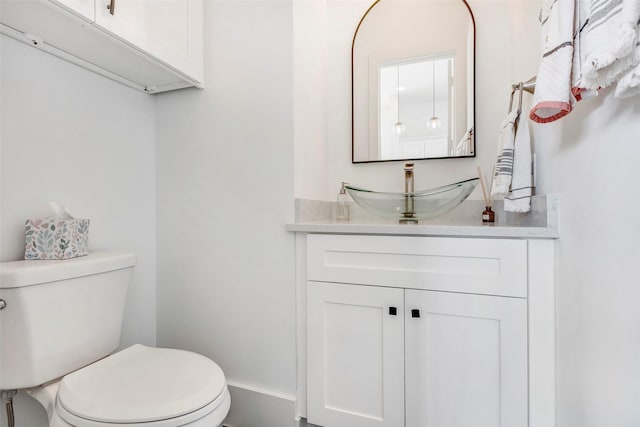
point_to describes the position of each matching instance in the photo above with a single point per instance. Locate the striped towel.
(582, 8)
(587, 45)
(608, 42)
(553, 98)
(504, 166)
(519, 198)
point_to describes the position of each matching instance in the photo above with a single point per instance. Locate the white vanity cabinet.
(422, 331)
(149, 45)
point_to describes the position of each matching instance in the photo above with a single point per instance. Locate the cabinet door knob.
(415, 312)
(393, 311)
(112, 7)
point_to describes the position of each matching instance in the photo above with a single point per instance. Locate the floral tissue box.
(56, 238)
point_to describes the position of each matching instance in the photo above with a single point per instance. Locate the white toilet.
(60, 324)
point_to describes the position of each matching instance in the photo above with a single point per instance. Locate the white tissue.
(60, 211)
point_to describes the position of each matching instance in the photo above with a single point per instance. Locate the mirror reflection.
(416, 108)
(413, 81)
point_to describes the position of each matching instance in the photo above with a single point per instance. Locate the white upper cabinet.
(149, 45)
(83, 8)
(169, 30)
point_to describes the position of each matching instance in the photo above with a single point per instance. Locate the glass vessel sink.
(411, 207)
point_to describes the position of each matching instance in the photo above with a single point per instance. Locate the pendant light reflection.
(399, 127)
(434, 121)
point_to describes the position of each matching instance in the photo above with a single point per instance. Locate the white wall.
(507, 49)
(71, 136)
(225, 192)
(591, 158)
(310, 85)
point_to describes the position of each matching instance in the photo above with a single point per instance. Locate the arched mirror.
(413, 81)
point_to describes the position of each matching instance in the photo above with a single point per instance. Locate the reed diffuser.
(488, 215)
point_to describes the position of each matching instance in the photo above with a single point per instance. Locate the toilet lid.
(142, 384)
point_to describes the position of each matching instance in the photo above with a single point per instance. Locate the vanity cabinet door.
(466, 360)
(169, 30)
(355, 355)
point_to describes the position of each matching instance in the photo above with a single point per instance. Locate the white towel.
(581, 18)
(553, 98)
(519, 198)
(587, 45)
(608, 42)
(629, 83)
(504, 165)
(463, 148)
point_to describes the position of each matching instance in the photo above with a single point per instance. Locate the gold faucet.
(408, 178)
(409, 214)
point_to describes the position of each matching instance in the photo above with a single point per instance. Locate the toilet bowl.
(60, 324)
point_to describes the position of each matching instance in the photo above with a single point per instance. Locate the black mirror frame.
(475, 145)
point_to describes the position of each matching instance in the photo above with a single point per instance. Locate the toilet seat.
(211, 415)
(142, 386)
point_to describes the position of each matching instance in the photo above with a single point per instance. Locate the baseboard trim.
(255, 407)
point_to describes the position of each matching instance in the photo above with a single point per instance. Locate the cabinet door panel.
(466, 360)
(355, 356)
(83, 8)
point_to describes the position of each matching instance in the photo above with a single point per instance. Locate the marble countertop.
(464, 221)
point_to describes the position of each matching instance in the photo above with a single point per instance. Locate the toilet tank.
(60, 315)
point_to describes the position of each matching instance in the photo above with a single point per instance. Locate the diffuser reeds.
(488, 215)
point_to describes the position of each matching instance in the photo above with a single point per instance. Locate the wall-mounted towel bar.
(528, 86)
